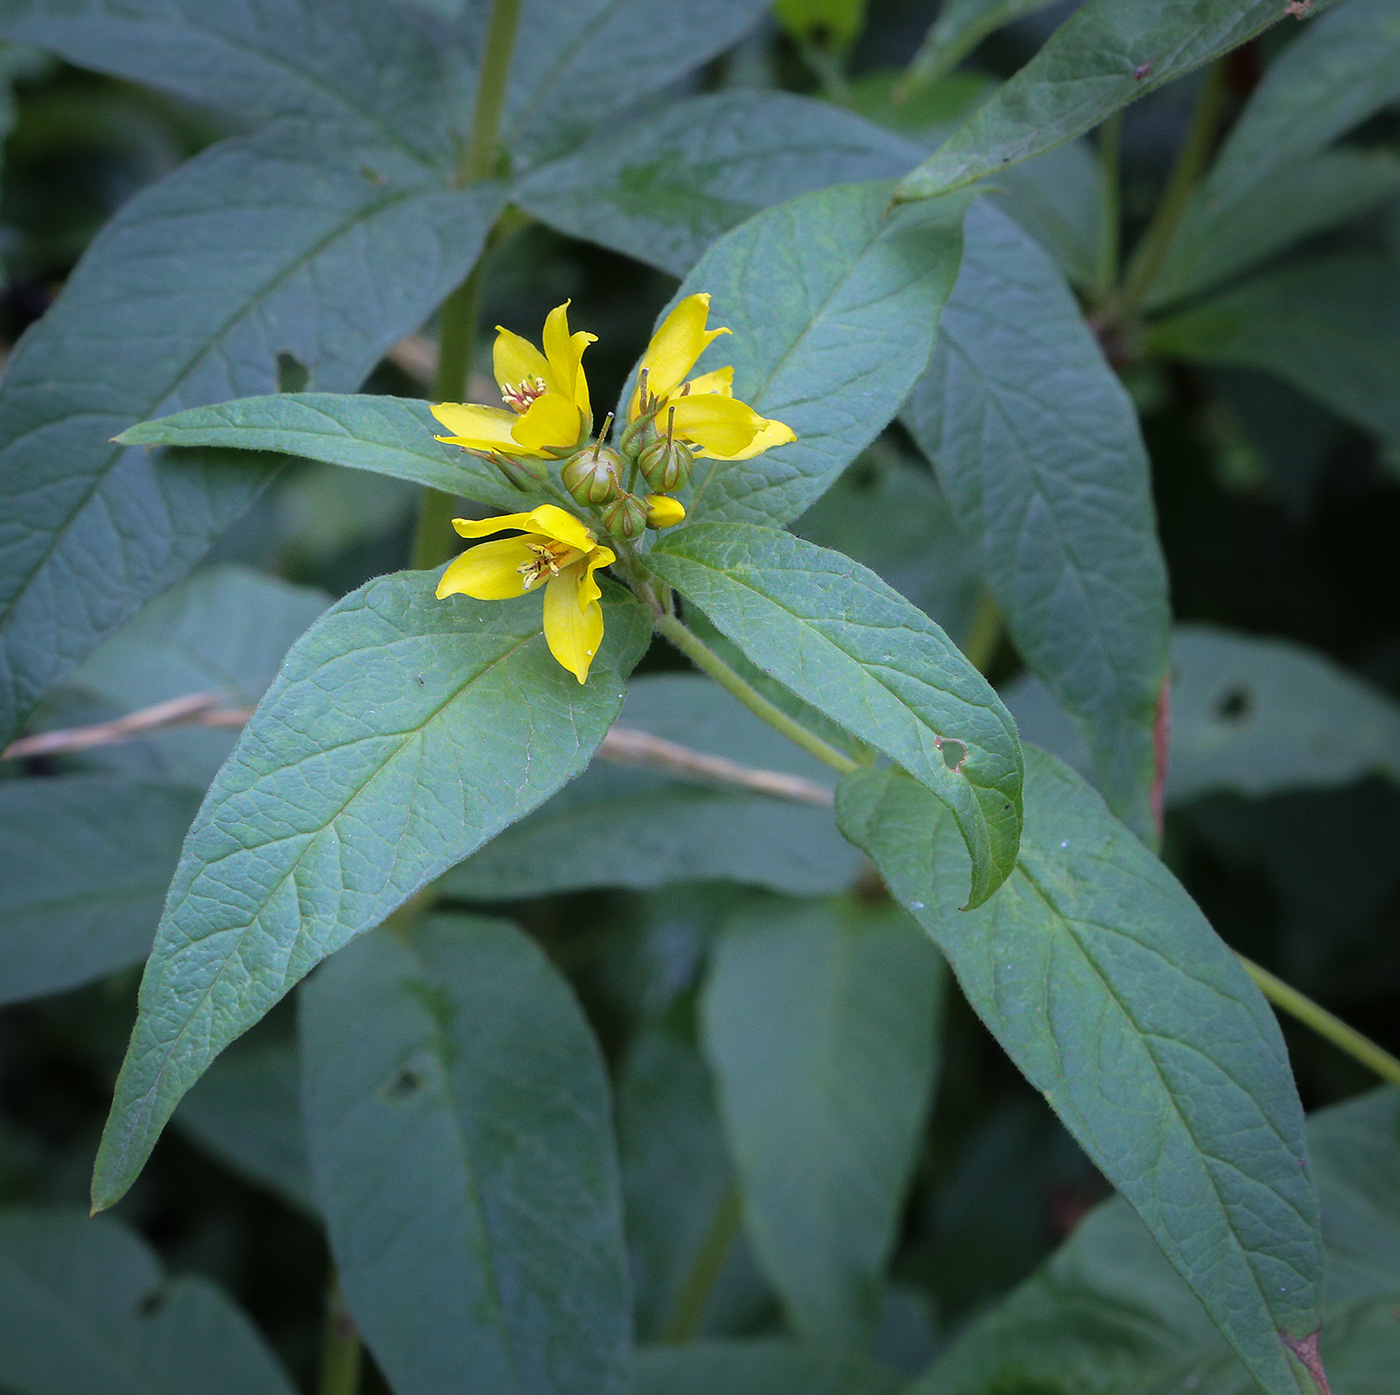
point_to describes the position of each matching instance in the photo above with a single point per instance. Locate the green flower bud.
(626, 516)
(666, 465)
(521, 472)
(594, 475)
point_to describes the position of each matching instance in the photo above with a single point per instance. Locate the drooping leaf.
(344, 60)
(314, 241)
(388, 435)
(841, 639)
(620, 826)
(759, 1368)
(1112, 994)
(224, 630)
(1105, 55)
(84, 864)
(402, 733)
(246, 1111)
(460, 1132)
(1221, 236)
(1107, 1316)
(1329, 326)
(961, 25)
(820, 1022)
(84, 1307)
(829, 333)
(664, 189)
(1335, 74)
(1038, 449)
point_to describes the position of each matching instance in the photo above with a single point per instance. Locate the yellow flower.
(546, 395)
(664, 511)
(707, 413)
(553, 547)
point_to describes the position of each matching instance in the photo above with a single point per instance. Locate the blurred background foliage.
(1278, 519)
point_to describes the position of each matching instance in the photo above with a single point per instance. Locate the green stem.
(1327, 1025)
(705, 658)
(479, 158)
(985, 634)
(1110, 209)
(829, 71)
(709, 1261)
(340, 1348)
(1151, 254)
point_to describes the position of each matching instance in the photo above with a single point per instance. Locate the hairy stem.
(705, 658)
(340, 1348)
(714, 1250)
(1327, 1025)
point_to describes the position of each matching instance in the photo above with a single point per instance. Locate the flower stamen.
(519, 396)
(548, 559)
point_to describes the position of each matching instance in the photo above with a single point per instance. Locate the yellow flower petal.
(479, 428)
(552, 420)
(675, 346)
(515, 360)
(573, 620)
(588, 588)
(488, 572)
(722, 425)
(773, 433)
(548, 520)
(720, 381)
(565, 354)
(580, 340)
(664, 511)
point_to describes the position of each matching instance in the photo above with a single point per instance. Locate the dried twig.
(193, 709)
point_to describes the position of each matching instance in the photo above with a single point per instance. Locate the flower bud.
(626, 516)
(593, 476)
(663, 512)
(521, 472)
(666, 464)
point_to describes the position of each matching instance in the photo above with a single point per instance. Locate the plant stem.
(340, 1348)
(1327, 1025)
(985, 634)
(1151, 254)
(432, 537)
(1110, 209)
(714, 1249)
(705, 658)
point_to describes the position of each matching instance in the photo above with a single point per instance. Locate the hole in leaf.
(403, 1086)
(954, 752)
(292, 374)
(1234, 705)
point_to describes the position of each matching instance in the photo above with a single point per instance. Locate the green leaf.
(84, 1307)
(1331, 327)
(839, 638)
(1038, 449)
(246, 1111)
(402, 733)
(1107, 1316)
(302, 239)
(1057, 198)
(225, 629)
(829, 23)
(820, 1021)
(616, 826)
(1222, 235)
(345, 60)
(663, 190)
(1105, 55)
(1109, 990)
(962, 25)
(1334, 75)
(387, 435)
(84, 864)
(829, 334)
(1259, 715)
(460, 1131)
(563, 76)
(759, 1368)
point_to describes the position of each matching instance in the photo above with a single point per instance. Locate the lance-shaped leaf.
(84, 1307)
(664, 189)
(841, 639)
(347, 60)
(1107, 54)
(362, 431)
(1107, 987)
(401, 734)
(1339, 71)
(309, 240)
(961, 25)
(833, 309)
(84, 864)
(820, 1021)
(460, 1132)
(1038, 449)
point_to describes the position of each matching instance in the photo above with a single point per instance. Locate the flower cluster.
(672, 421)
